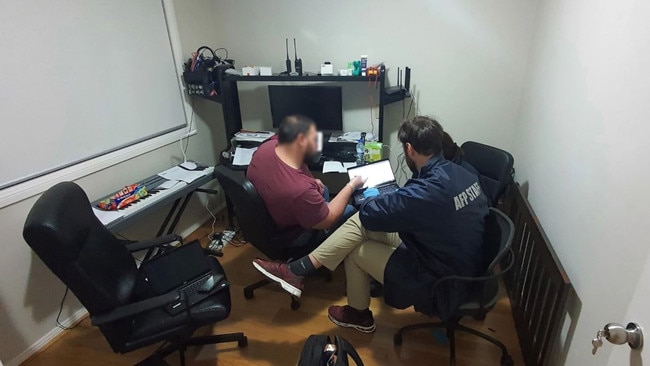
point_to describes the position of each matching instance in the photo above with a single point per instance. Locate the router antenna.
(287, 44)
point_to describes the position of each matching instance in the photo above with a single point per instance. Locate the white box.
(266, 71)
(343, 72)
(327, 69)
(250, 71)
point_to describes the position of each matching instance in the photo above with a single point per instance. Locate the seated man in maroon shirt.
(295, 200)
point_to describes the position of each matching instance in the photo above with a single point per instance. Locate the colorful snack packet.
(123, 198)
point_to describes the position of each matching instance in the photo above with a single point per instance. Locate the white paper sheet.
(178, 173)
(243, 156)
(168, 184)
(337, 166)
(333, 167)
(106, 217)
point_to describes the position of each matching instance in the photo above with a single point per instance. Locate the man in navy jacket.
(430, 228)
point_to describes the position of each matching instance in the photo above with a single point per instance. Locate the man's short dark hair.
(292, 126)
(423, 133)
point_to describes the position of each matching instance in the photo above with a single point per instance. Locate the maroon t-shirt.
(292, 196)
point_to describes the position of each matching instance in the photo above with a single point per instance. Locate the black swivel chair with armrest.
(256, 224)
(484, 290)
(101, 271)
(494, 166)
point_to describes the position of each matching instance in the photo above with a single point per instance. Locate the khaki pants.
(364, 252)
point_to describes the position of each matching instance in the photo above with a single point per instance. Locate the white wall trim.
(47, 338)
(17, 193)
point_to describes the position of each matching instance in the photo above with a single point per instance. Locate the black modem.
(397, 89)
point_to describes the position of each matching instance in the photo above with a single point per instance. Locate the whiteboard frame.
(39, 184)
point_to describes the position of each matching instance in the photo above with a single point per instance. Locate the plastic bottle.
(361, 147)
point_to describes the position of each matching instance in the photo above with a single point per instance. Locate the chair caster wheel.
(479, 317)
(506, 360)
(397, 339)
(295, 304)
(242, 343)
(248, 294)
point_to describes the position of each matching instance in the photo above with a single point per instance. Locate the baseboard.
(78, 315)
(205, 218)
(48, 338)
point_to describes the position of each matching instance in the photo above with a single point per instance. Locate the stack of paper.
(337, 166)
(257, 136)
(179, 174)
(243, 156)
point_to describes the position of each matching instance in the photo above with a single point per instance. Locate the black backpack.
(320, 351)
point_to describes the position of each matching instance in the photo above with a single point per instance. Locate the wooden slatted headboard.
(537, 285)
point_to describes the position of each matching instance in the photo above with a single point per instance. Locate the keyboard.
(162, 189)
(388, 188)
(153, 195)
(197, 291)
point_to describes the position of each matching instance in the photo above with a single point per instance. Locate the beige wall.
(468, 57)
(29, 293)
(581, 147)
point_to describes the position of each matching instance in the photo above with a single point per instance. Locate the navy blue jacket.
(439, 215)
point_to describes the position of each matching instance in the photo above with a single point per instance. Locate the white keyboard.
(158, 188)
(150, 199)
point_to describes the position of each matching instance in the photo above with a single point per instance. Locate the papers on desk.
(243, 156)
(106, 217)
(257, 136)
(179, 174)
(170, 184)
(337, 166)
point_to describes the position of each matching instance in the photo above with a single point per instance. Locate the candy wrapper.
(123, 198)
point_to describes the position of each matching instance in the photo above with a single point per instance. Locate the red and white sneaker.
(280, 273)
(349, 317)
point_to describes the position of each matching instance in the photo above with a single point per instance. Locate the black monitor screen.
(323, 104)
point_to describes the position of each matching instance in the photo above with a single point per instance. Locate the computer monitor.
(323, 104)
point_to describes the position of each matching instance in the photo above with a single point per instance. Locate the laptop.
(194, 281)
(380, 176)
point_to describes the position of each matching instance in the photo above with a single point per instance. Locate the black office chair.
(101, 271)
(256, 224)
(494, 166)
(484, 290)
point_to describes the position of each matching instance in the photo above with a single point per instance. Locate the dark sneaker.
(349, 317)
(280, 273)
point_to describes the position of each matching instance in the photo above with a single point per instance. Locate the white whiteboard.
(81, 78)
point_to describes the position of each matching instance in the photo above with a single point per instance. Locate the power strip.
(219, 241)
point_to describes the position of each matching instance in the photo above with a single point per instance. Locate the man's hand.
(357, 182)
(320, 183)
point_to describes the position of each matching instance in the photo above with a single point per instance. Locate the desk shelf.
(215, 98)
(299, 78)
(229, 95)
